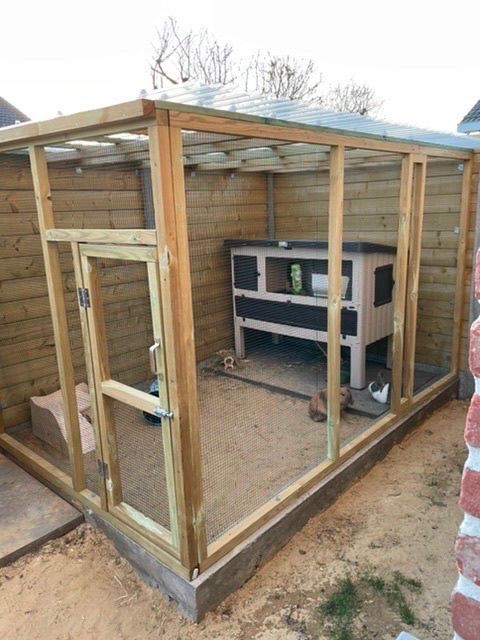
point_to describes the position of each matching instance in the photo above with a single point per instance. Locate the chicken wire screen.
(102, 182)
(257, 436)
(438, 268)
(30, 396)
(138, 446)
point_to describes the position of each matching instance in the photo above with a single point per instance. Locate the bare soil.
(402, 516)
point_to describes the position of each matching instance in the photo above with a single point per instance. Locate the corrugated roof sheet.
(231, 98)
(9, 114)
(471, 122)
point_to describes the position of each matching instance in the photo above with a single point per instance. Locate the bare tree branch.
(283, 77)
(352, 97)
(181, 56)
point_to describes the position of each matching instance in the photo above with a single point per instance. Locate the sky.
(421, 58)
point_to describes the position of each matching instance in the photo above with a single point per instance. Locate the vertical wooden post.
(335, 242)
(270, 207)
(460, 279)
(401, 265)
(59, 314)
(171, 225)
(92, 382)
(415, 254)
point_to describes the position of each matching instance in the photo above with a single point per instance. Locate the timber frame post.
(171, 226)
(335, 239)
(56, 296)
(401, 265)
(463, 224)
(414, 258)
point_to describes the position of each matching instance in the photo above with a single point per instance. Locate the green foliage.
(341, 608)
(346, 601)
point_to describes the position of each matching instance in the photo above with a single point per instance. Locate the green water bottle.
(296, 277)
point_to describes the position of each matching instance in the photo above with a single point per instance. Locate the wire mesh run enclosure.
(206, 315)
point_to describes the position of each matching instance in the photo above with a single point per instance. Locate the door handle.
(152, 357)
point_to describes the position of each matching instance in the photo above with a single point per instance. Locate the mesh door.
(139, 438)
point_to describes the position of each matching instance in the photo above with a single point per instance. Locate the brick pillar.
(466, 595)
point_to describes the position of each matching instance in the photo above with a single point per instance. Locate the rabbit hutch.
(178, 282)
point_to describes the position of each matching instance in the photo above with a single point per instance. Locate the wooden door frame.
(106, 390)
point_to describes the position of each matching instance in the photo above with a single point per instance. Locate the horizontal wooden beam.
(66, 127)
(111, 236)
(115, 252)
(129, 395)
(236, 124)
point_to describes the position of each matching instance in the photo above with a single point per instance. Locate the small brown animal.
(317, 408)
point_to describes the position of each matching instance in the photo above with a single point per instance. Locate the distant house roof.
(9, 114)
(471, 122)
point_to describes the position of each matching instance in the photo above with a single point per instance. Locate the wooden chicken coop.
(120, 384)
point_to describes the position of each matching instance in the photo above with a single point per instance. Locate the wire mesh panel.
(102, 182)
(138, 443)
(438, 267)
(128, 320)
(141, 462)
(371, 222)
(31, 400)
(259, 315)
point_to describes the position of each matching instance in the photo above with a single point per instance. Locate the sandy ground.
(401, 516)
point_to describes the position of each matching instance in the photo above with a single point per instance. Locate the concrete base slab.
(195, 598)
(30, 513)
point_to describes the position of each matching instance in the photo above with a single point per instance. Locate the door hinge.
(83, 297)
(103, 469)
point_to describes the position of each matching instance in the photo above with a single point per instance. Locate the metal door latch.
(153, 359)
(163, 413)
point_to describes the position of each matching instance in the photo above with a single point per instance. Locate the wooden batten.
(461, 262)
(77, 264)
(199, 119)
(415, 251)
(171, 224)
(59, 315)
(335, 239)
(401, 274)
(101, 371)
(107, 120)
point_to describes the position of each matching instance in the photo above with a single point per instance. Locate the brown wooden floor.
(30, 514)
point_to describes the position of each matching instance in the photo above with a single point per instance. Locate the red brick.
(474, 355)
(472, 427)
(466, 617)
(467, 556)
(477, 276)
(470, 493)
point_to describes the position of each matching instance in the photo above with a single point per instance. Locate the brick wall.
(466, 595)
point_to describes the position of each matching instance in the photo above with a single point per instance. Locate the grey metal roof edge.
(289, 124)
(469, 126)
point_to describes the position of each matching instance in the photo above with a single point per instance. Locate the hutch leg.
(389, 351)
(239, 341)
(357, 367)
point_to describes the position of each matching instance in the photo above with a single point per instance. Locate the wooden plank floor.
(30, 514)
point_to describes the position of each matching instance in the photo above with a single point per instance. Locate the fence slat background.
(219, 206)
